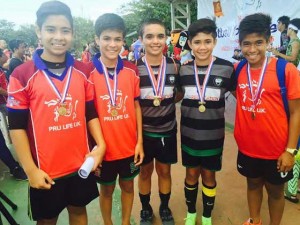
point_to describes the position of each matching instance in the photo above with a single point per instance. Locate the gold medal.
(156, 102)
(114, 112)
(202, 108)
(62, 111)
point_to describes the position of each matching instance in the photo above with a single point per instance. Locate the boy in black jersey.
(205, 82)
(158, 81)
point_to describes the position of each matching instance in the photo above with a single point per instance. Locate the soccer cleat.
(146, 216)
(250, 222)
(206, 220)
(292, 198)
(166, 216)
(190, 218)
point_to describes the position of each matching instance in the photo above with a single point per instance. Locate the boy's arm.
(139, 151)
(3, 91)
(36, 177)
(96, 132)
(286, 160)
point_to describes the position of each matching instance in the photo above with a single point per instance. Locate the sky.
(22, 12)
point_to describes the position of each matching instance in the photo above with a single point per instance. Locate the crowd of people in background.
(138, 85)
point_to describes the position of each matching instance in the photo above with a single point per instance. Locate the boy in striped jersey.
(205, 82)
(159, 79)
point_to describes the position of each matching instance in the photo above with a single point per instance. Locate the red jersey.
(119, 131)
(58, 138)
(3, 84)
(265, 136)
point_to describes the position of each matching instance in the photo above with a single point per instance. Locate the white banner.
(229, 13)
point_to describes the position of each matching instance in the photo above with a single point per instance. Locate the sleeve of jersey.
(292, 79)
(17, 94)
(233, 82)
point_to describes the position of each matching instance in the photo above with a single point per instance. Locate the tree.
(135, 12)
(6, 30)
(83, 33)
(27, 33)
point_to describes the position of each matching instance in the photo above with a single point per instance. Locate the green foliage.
(6, 30)
(27, 34)
(83, 33)
(135, 12)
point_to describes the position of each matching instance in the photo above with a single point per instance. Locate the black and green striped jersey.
(202, 133)
(158, 121)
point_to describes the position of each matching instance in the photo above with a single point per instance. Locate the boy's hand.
(138, 154)
(39, 179)
(97, 153)
(285, 162)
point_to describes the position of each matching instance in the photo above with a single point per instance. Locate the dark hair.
(284, 20)
(149, 22)
(296, 23)
(203, 25)
(15, 43)
(53, 8)
(1, 52)
(258, 23)
(109, 21)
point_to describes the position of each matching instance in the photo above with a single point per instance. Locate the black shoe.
(166, 216)
(146, 216)
(292, 198)
(19, 173)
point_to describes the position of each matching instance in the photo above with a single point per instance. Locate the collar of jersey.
(99, 67)
(42, 66)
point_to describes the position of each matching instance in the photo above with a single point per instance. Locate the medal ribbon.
(201, 90)
(62, 96)
(158, 84)
(254, 96)
(112, 94)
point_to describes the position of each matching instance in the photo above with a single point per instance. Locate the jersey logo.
(117, 112)
(218, 81)
(171, 79)
(69, 109)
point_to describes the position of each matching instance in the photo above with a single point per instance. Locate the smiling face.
(254, 47)
(202, 46)
(110, 43)
(154, 39)
(56, 36)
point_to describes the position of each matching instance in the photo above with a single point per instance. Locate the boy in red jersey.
(117, 91)
(266, 138)
(50, 105)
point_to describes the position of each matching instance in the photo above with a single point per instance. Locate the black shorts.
(163, 149)
(69, 191)
(212, 163)
(261, 168)
(109, 171)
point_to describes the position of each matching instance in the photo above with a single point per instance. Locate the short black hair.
(53, 8)
(203, 25)
(109, 21)
(296, 23)
(149, 22)
(284, 20)
(258, 23)
(15, 43)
